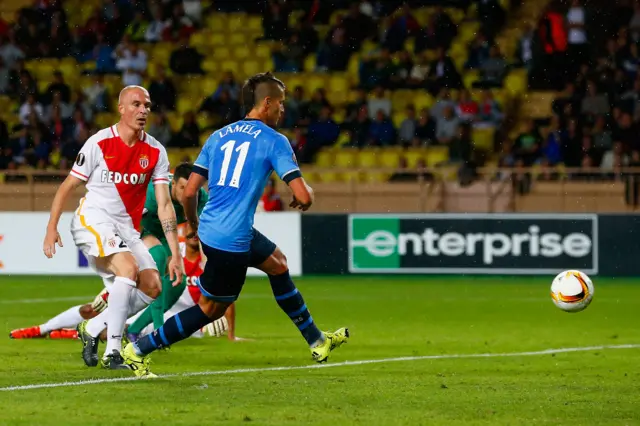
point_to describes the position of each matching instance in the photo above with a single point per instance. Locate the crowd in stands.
(596, 114)
(595, 120)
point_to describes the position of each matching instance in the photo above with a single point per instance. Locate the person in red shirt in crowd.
(270, 200)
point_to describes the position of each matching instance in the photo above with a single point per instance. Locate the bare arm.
(167, 216)
(302, 194)
(190, 201)
(62, 194)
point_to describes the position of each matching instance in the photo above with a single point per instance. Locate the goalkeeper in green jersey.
(153, 237)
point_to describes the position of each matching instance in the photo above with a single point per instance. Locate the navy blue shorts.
(261, 248)
(224, 274)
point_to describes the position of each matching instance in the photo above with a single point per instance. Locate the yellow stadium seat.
(204, 120)
(409, 45)
(328, 177)
(338, 83)
(267, 64)
(414, 157)
(185, 105)
(162, 52)
(516, 82)
(389, 158)
(314, 82)
(174, 120)
(375, 177)
(339, 114)
(351, 176)
(483, 138)
(398, 118)
(200, 39)
(502, 97)
(221, 53)
(436, 155)
(237, 39)
(368, 158)
(217, 39)
(254, 24)
(470, 77)
(345, 158)
(174, 157)
(354, 66)
(236, 21)
(105, 119)
(423, 100)
(324, 158)
(309, 64)
(241, 52)
(251, 67)
(211, 65)
(262, 50)
(217, 22)
(400, 99)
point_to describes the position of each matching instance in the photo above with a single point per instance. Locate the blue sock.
(176, 328)
(291, 302)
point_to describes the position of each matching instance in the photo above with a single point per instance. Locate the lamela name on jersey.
(126, 178)
(237, 128)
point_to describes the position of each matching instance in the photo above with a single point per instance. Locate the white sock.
(119, 299)
(98, 323)
(138, 302)
(67, 319)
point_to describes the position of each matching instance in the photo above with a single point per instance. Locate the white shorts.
(104, 239)
(184, 302)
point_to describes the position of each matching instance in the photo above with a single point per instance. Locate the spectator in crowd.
(322, 132)
(407, 131)
(270, 200)
(614, 158)
(382, 132)
(447, 126)
(379, 102)
(527, 144)
(160, 128)
(489, 112)
(493, 69)
(466, 109)
(4, 77)
(162, 91)
(156, 27)
(296, 109)
(443, 73)
(58, 85)
(132, 61)
(189, 134)
(425, 129)
(30, 107)
(97, 94)
(185, 59)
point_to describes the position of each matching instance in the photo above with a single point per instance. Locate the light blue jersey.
(237, 161)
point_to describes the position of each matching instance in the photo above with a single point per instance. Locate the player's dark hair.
(259, 87)
(183, 171)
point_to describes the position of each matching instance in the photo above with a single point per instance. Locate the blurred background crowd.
(372, 85)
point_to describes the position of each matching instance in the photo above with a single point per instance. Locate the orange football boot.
(26, 333)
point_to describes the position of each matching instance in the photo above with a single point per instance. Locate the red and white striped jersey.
(117, 176)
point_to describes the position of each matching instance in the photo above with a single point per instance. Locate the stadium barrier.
(430, 190)
(497, 244)
(22, 234)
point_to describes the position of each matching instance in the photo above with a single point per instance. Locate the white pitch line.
(317, 366)
(49, 299)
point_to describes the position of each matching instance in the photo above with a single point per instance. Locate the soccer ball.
(572, 291)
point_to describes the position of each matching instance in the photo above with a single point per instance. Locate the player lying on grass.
(237, 160)
(117, 164)
(63, 325)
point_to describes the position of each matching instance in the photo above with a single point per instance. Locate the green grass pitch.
(389, 317)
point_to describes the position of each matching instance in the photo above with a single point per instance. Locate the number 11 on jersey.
(227, 148)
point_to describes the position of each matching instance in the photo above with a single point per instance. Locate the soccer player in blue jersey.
(237, 161)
